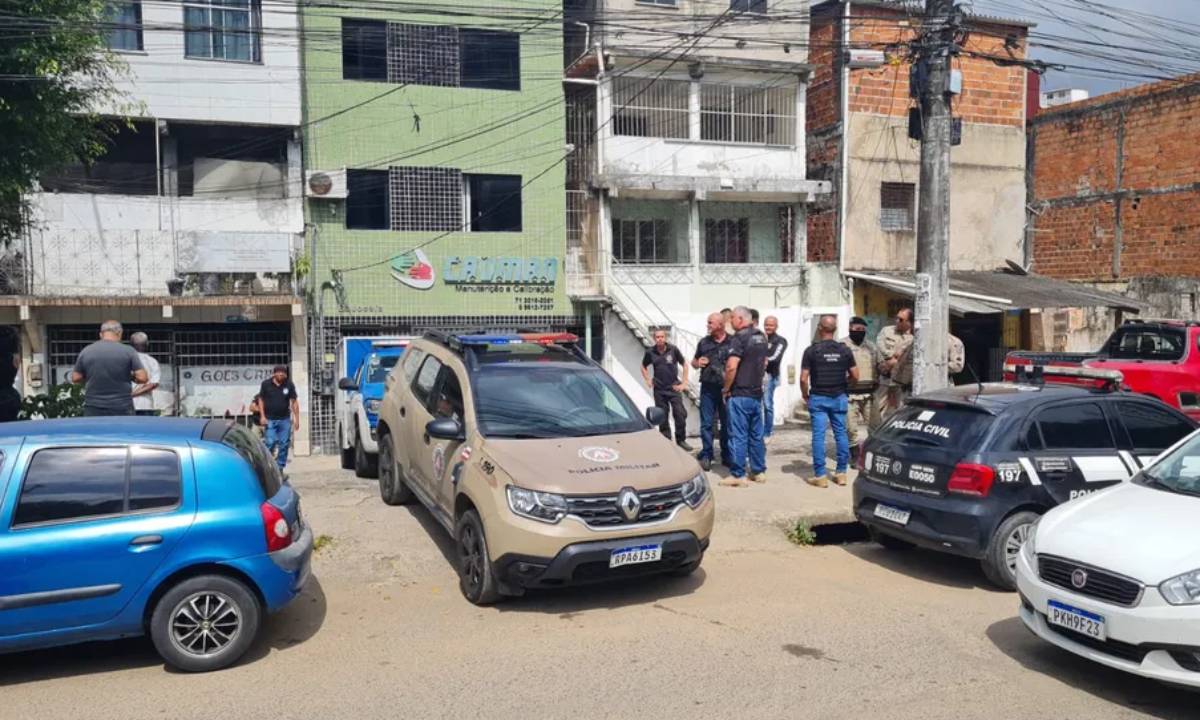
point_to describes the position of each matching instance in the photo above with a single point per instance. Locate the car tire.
(347, 452)
(890, 542)
(392, 487)
(476, 574)
(364, 465)
(999, 565)
(226, 604)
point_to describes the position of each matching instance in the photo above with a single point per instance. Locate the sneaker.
(683, 444)
(760, 478)
(821, 482)
(839, 478)
(706, 464)
(733, 482)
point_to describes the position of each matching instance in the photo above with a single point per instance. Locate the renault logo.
(1079, 578)
(630, 504)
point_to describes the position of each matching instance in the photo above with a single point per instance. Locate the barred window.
(437, 55)
(426, 199)
(221, 29)
(759, 115)
(727, 240)
(896, 201)
(423, 54)
(650, 108)
(641, 241)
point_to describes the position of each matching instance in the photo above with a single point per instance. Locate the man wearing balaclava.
(863, 415)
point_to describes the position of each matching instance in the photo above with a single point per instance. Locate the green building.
(435, 174)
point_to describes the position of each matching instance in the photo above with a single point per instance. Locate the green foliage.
(801, 533)
(60, 401)
(56, 76)
(322, 542)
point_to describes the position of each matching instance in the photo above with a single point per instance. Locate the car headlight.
(1182, 590)
(545, 507)
(374, 405)
(695, 490)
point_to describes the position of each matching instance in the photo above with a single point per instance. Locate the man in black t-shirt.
(776, 348)
(280, 413)
(665, 358)
(744, 391)
(826, 372)
(711, 354)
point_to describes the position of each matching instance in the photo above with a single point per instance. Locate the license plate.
(635, 555)
(896, 515)
(1076, 620)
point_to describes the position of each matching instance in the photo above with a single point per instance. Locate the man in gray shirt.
(106, 368)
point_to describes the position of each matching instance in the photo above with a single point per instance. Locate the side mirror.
(445, 429)
(346, 384)
(656, 416)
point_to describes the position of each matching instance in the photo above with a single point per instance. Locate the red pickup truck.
(1160, 358)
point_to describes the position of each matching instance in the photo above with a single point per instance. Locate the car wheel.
(205, 623)
(347, 452)
(889, 541)
(476, 575)
(392, 487)
(1000, 563)
(364, 465)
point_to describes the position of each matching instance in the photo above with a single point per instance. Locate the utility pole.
(932, 311)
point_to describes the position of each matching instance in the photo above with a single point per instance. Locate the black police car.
(968, 470)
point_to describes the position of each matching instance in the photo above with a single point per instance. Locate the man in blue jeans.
(776, 348)
(280, 413)
(826, 371)
(711, 354)
(744, 393)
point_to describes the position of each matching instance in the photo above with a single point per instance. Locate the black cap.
(856, 320)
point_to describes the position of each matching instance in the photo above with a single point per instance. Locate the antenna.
(978, 382)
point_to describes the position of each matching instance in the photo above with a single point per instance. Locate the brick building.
(1114, 184)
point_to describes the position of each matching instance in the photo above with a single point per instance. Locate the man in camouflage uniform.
(902, 375)
(862, 416)
(890, 346)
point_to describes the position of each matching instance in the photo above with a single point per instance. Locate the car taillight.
(279, 535)
(971, 479)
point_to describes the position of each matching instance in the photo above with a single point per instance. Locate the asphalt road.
(765, 630)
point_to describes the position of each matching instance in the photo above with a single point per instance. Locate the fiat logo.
(599, 454)
(1079, 578)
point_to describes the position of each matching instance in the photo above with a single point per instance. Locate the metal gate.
(232, 357)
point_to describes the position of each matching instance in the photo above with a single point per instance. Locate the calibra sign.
(501, 270)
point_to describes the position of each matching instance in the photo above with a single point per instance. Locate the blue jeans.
(826, 411)
(746, 436)
(279, 439)
(712, 407)
(769, 406)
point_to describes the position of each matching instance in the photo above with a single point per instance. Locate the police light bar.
(1110, 377)
(518, 339)
(389, 343)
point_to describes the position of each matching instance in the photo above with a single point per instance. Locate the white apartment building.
(189, 226)
(687, 184)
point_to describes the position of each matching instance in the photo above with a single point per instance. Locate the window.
(748, 6)
(1075, 427)
(367, 200)
(57, 487)
(424, 199)
(494, 202)
(726, 240)
(412, 361)
(227, 161)
(490, 59)
(124, 19)
(742, 114)
(641, 241)
(364, 50)
(221, 29)
(252, 450)
(449, 398)
(153, 479)
(650, 108)
(1151, 428)
(664, 3)
(127, 167)
(422, 386)
(1033, 437)
(423, 54)
(1145, 343)
(896, 207)
(962, 427)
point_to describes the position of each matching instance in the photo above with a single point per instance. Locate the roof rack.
(1109, 380)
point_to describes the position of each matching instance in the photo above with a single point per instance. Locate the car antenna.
(971, 370)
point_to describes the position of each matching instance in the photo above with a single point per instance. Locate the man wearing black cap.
(863, 416)
(280, 413)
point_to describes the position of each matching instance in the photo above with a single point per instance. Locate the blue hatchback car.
(182, 529)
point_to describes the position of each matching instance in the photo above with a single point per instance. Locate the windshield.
(379, 367)
(935, 424)
(542, 400)
(1179, 471)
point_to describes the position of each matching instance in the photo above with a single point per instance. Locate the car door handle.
(402, 413)
(144, 540)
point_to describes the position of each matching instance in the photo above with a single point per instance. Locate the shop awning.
(983, 291)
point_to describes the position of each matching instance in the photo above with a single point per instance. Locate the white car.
(1115, 576)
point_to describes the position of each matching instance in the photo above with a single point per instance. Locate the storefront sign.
(220, 390)
(501, 270)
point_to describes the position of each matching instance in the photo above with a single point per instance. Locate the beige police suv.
(539, 465)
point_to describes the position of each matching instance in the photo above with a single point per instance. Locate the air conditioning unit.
(861, 58)
(325, 184)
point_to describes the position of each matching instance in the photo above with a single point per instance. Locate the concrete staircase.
(642, 332)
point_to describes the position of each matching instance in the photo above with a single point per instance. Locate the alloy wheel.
(205, 623)
(1012, 546)
(471, 556)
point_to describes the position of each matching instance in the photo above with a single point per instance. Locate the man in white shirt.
(143, 393)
